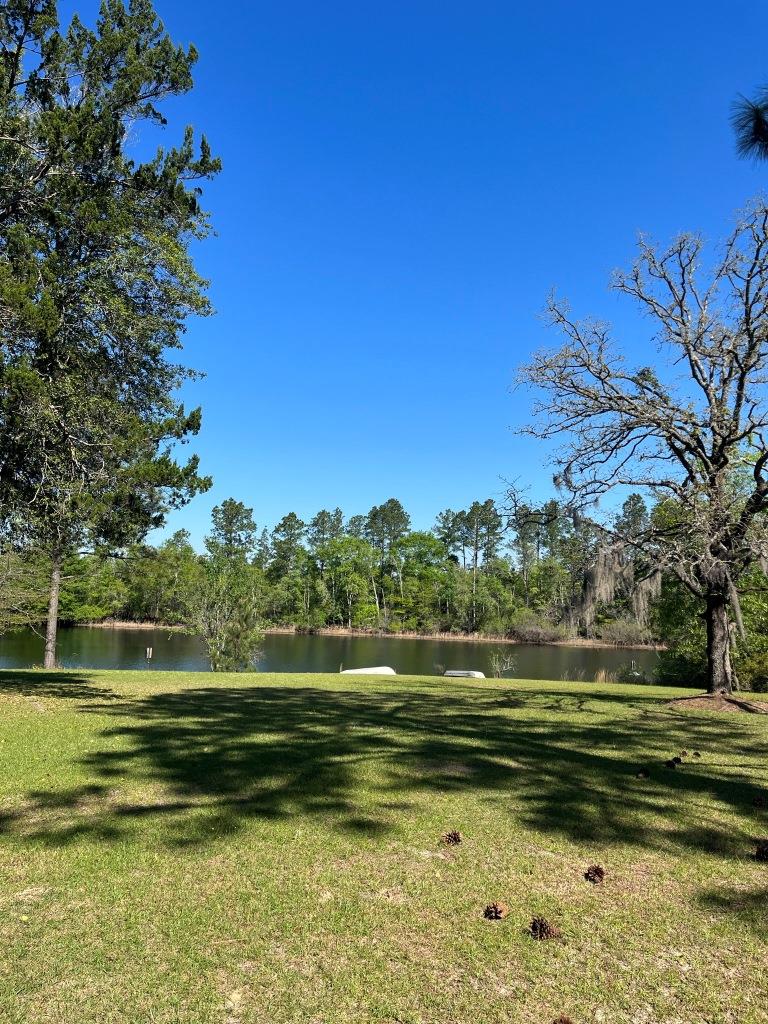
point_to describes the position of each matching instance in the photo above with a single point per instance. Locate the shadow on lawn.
(749, 905)
(218, 757)
(61, 685)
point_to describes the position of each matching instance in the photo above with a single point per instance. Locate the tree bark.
(376, 599)
(719, 668)
(52, 624)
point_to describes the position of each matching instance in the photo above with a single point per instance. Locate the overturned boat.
(377, 670)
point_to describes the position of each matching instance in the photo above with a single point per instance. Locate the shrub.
(623, 633)
(501, 661)
(684, 663)
(530, 627)
(752, 671)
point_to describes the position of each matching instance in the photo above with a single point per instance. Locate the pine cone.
(683, 753)
(696, 753)
(540, 928)
(562, 1019)
(672, 763)
(677, 760)
(595, 874)
(452, 838)
(761, 849)
(496, 911)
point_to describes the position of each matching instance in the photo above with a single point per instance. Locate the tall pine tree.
(96, 280)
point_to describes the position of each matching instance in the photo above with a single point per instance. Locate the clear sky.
(403, 184)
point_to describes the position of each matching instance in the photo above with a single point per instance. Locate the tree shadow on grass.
(63, 685)
(207, 761)
(750, 906)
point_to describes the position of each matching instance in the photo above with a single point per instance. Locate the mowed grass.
(241, 849)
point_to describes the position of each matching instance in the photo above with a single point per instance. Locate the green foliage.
(233, 531)
(225, 612)
(530, 627)
(349, 572)
(623, 632)
(91, 589)
(753, 671)
(159, 581)
(677, 618)
(224, 606)
(96, 279)
(23, 588)
(386, 524)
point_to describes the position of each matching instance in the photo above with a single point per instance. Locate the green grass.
(239, 849)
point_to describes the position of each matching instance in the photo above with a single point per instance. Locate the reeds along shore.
(474, 638)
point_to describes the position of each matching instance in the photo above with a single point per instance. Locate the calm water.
(81, 647)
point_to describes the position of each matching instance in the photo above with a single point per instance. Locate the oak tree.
(690, 431)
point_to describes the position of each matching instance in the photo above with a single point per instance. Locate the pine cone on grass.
(595, 874)
(452, 838)
(542, 929)
(761, 850)
(696, 753)
(671, 763)
(562, 1019)
(496, 911)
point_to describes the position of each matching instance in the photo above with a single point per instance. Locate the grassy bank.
(177, 848)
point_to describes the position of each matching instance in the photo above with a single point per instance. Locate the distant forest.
(537, 575)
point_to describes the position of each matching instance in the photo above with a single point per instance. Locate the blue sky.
(403, 184)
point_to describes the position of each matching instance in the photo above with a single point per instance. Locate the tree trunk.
(719, 668)
(52, 624)
(474, 589)
(376, 599)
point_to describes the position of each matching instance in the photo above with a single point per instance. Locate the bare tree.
(690, 432)
(502, 661)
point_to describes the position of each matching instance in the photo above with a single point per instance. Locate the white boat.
(464, 673)
(377, 670)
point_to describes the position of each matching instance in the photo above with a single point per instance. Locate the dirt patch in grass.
(719, 702)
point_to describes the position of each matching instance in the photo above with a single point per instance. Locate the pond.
(89, 647)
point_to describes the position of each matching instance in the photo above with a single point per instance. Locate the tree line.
(533, 574)
(477, 570)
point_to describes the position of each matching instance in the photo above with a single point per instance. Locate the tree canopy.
(96, 278)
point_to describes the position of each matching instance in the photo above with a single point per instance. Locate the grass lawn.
(239, 849)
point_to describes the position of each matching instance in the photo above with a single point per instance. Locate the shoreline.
(342, 631)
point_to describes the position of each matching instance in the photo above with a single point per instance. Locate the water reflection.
(83, 647)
